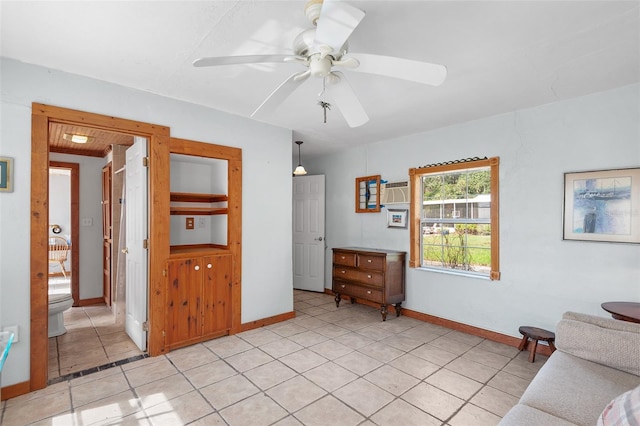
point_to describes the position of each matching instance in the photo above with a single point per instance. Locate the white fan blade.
(347, 102)
(337, 22)
(232, 60)
(405, 69)
(281, 93)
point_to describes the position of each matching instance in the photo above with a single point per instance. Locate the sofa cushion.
(592, 338)
(575, 389)
(622, 411)
(524, 415)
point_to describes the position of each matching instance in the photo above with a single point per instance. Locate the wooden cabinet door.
(216, 294)
(184, 295)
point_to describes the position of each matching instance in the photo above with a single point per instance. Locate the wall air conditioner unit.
(394, 193)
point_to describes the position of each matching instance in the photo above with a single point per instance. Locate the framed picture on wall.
(397, 218)
(6, 174)
(602, 205)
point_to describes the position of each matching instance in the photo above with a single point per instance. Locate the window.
(454, 217)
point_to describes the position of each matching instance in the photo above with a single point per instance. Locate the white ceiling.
(500, 55)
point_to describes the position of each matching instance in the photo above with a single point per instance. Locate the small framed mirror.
(368, 194)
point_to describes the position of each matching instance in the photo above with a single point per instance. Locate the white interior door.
(308, 233)
(136, 232)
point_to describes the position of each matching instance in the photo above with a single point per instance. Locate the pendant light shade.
(299, 171)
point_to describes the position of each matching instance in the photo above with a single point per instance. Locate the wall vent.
(394, 193)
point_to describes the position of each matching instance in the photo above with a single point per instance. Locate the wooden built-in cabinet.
(203, 267)
(373, 275)
(198, 299)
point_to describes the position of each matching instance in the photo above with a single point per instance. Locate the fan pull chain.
(325, 106)
(324, 87)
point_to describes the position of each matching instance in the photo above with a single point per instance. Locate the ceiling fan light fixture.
(299, 171)
(320, 66)
(80, 139)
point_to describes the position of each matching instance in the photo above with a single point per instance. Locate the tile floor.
(327, 366)
(92, 339)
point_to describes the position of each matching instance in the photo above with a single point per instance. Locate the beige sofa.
(597, 359)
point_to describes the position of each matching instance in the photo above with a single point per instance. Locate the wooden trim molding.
(158, 136)
(268, 321)
(92, 301)
(12, 391)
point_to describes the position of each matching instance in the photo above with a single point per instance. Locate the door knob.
(318, 239)
(209, 266)
(125, 250)
(197, 267)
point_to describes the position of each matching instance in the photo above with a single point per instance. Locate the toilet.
(58, 303)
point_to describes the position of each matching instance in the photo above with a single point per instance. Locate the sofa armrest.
(605, 341)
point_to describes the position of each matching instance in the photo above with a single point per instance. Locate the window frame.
(416, 207)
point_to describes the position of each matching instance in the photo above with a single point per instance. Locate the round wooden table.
(624, 311)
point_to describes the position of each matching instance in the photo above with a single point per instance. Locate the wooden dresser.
(369, 274)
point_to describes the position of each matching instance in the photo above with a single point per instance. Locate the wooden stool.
(535, 334)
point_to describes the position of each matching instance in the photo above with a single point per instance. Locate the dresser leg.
(383, 311)
(398, 308)
(353, 300)
(337, 299)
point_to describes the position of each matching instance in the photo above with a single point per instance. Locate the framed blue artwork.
(602, 206)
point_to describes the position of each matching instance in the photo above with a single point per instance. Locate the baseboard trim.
(90, 302)
(267, 321)
(458, 326)
(12, 391)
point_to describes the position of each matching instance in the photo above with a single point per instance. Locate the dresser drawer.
(357, 291)
(362, 276)
(367, 261)
(343, 258)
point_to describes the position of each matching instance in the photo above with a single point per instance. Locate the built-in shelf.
(188, 197)
(197, 249)
(198, 211)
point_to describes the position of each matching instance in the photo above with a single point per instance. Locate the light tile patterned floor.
(92, 339)
(328, 366)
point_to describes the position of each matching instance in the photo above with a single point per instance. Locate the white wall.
(266, 198)
(542, 275)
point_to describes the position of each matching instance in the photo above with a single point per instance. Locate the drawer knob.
(368, 291)
(369, 260)
(197, 267)
(209, 266)
(343, 286)
(343, 272)
(342, 257)
(368, 276)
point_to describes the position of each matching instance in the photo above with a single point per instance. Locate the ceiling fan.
(324, 48)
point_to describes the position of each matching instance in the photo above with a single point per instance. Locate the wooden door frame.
(75, 225)
(158, 136)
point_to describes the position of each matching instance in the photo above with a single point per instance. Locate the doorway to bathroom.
(64, 184)
(83, 253)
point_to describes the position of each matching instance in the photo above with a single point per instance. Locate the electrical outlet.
(13, 329)
(87, 221)
(190, 223)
